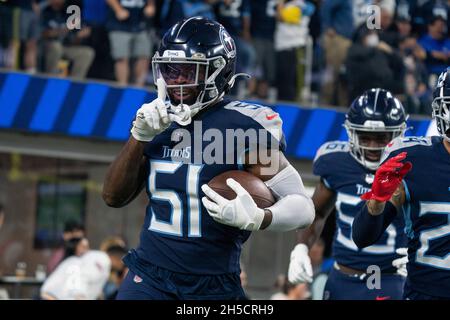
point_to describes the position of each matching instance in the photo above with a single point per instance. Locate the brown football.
(255, 186)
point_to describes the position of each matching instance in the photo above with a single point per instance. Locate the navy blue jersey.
(230, 16)
(263, 21)
(136, 21)
(341, 173)
(427, 212)
(178, 234)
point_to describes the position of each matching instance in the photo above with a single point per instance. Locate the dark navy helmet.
(441, 104)
(197, 61)
(376, 111)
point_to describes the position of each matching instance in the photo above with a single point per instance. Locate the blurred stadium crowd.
(321, 51)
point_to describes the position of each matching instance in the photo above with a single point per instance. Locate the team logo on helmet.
(228, 43)
(441, 80)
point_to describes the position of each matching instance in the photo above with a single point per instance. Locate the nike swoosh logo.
(272, 116)
(382, 298)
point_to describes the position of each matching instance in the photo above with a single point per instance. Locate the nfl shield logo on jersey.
(369, 178)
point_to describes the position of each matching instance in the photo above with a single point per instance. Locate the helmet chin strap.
(233, 78)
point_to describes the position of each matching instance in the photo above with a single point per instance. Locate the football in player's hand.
(255, 187)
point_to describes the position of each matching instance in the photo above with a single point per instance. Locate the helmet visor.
(185, 78)
(182, 73)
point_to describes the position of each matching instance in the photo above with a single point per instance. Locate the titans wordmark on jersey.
(341, 173)
(427, 212)
(178, 234)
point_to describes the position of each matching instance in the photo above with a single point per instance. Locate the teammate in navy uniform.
(418, 188)
(191, 239)
(346, 172)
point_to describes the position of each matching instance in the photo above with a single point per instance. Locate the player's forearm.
(370, 222)
(125, 175)
(311, 234)
(114, 4)
(291, 212)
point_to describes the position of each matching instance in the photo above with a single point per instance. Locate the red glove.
(387, 178)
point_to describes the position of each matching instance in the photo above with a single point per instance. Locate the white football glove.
(401, 263)
(152, 118)
(300, 268)
(241, 212)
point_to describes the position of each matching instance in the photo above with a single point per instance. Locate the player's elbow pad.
(294, 208)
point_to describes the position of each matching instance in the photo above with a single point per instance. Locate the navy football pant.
(175, 286)
(341, 286)
(411, 294)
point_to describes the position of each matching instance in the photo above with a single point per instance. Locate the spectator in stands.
(262, 28)
(76, 247)
(130, 39)
(29, 32)
(234, 15)
(112, 241)
(436, 45)
(72, 229)
(403, 25)
(318, 263)
(291, 38)
(388, 32)
(372, 63)
(173, 11)
(7, 52)
(403, 18)
(118, 271)
(321, 267)
(291, 291)
(63, 43)
(424, 11)
(78, 278)
(339, 20)
(94, 14)
(417, 94)
(387, 11)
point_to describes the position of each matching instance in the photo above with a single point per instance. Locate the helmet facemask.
(441, 113)
(196, 77)
(359, 148)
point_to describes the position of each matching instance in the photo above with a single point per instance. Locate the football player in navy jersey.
(191, 239)
(418, 188)
(346, 172)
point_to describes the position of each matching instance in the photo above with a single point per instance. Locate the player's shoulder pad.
(332, 147)
(329, 159)
(263, 115)
(408, 144)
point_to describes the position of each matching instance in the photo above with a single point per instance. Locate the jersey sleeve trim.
(326, 183)
(264, 116)
(407, 212)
